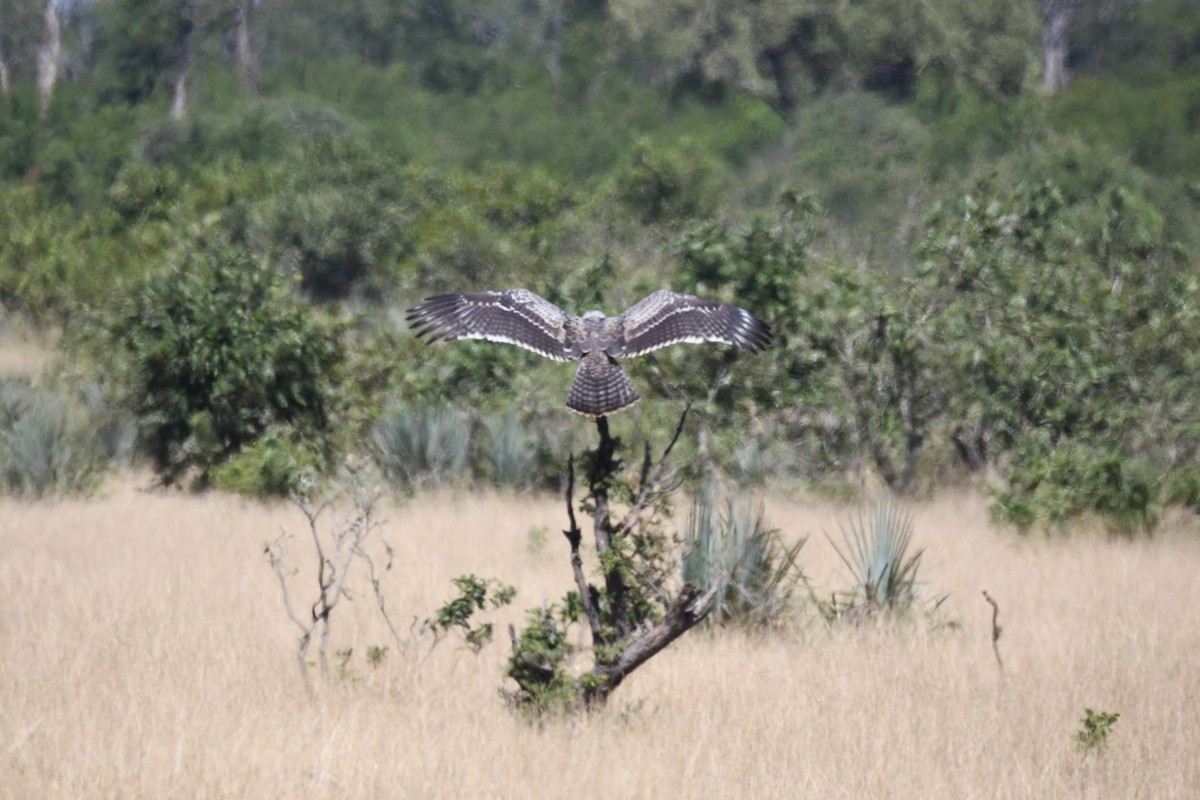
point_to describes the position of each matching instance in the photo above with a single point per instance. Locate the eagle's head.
(594, 314)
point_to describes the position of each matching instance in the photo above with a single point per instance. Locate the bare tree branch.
(995, 629)
(574, 537)
(685, 612)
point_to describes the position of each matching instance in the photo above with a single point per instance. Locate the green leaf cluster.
(212, 355)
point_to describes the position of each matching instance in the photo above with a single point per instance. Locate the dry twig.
(996, 629)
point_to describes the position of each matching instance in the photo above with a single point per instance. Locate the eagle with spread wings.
(601, 387)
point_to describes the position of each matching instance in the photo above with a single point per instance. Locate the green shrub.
(1048, 485)
(664, 185)
(218, 353)
(270, 465)
(1095, 731)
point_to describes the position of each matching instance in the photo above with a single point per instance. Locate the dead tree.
(635, 613)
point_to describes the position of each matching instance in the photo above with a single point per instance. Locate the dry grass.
(144, 652)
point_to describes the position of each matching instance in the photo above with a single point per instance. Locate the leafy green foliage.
(218, 354)
(475, 594)
(1095, 731)
(999, 282)
(270, 466)
(1052, 485)
(539, 660)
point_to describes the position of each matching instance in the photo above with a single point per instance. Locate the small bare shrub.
(344, 529)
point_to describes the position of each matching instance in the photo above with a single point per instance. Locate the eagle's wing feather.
(665, 318)
(513, 316)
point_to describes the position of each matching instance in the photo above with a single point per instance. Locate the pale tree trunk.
(4, 85)
(179, 102)
(1056, 19)
(49, 50)
(247, 63)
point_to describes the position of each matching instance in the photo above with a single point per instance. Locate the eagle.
(596, 341)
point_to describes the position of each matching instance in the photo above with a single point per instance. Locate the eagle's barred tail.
(601, 387)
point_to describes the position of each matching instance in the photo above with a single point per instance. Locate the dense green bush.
(271, 465)
(218, 353)
(993, 266)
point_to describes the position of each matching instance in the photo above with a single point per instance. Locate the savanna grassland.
(147, 654)
(973, 228)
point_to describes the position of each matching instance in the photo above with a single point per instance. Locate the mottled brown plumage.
(601, 387)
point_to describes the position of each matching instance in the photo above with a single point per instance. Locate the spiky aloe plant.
(427, 444)
(876, 542)
(509, 456)
(47, 444)
(739, 551)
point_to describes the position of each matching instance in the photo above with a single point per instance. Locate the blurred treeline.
(973, 225)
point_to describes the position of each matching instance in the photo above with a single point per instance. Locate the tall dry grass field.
(144, 652)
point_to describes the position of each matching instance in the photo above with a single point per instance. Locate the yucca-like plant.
(47, 446)
(427, 444)
(509, 456)
(737, 550)
(877, 540)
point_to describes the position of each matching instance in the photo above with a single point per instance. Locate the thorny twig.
(652, 483)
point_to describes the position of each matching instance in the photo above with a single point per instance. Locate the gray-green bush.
(877, 549)
(49, 445)
(729, 544)
(422, 445)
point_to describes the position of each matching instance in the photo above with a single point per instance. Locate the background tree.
(214, 355)
(49, 55)
(247, 61)
(5, 81)
(1056, 21)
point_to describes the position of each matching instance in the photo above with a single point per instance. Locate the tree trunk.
(1055, 21)
(4, 84)
(49, 50)
(179, 101)
(777, 66)
(601, 477)
(247, 63)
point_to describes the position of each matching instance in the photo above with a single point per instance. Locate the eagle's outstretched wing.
(666, 318)
(513, 316)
